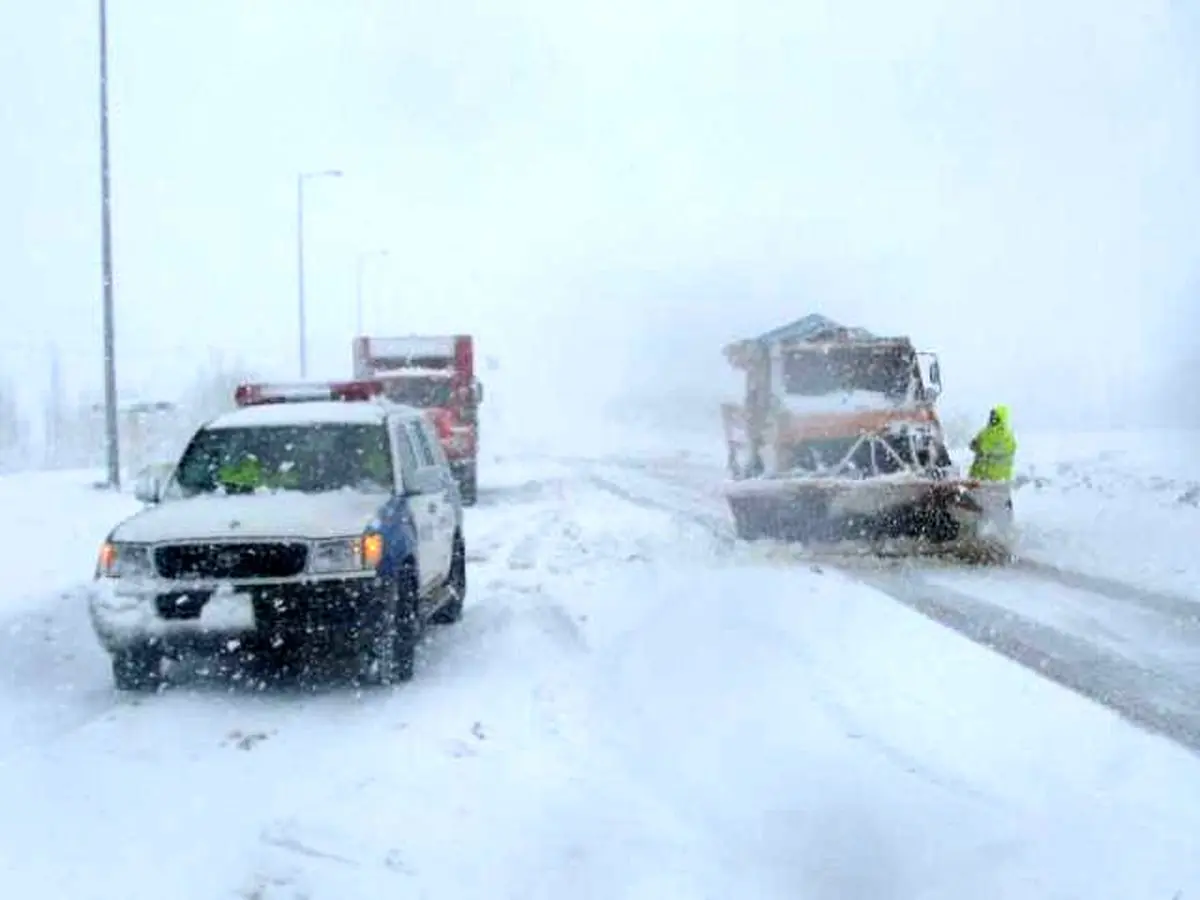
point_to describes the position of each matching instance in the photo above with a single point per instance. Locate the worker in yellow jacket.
(995, 448)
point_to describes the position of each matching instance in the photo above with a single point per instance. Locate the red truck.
(435, 373)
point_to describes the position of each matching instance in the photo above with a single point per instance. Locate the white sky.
(606, 192)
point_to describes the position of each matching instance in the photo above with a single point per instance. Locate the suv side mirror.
(423, 481)
(150, 482)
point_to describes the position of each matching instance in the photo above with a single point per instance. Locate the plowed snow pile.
(1124, 505)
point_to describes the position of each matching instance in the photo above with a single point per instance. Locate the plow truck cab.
(435, 373)
(837, 439)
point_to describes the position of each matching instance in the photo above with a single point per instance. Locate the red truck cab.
(435, 373)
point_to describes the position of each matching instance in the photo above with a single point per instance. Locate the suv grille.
(241, 560)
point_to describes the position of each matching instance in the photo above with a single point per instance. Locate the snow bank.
(1125, 505)
(51, 532)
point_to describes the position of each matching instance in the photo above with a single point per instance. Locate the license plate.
(228, 610)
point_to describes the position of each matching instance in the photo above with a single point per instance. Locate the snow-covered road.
(633, 706)
(1132, 648)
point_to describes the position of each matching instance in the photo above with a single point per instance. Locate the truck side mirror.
(931, 375)
(477, 391)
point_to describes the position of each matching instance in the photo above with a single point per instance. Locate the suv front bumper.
(227, 615)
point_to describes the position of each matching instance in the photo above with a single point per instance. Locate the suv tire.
(137, 669)
(392, 633)
(454, 592)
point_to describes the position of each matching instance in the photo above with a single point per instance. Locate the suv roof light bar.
(262, 393)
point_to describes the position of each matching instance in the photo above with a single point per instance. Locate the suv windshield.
(309, 458)
(816, 373)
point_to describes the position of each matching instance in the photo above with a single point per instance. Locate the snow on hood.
(286, 514)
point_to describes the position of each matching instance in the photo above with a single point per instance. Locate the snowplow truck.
(435, 373)
(837, 439)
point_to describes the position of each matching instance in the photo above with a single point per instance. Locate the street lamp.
(361, 264)
(300, 180)
(111, 435)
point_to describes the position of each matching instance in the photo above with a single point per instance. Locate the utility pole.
(111, 434)
(300, 306)
(358, 292)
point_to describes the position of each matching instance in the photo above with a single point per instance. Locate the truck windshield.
(816, 373)
(308, 458)
(422, 393)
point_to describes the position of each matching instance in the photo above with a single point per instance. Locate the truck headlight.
(356, 554)
(121, 560)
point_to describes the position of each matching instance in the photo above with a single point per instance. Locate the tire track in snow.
(507, 619)
(1163, 703)
(53, 675)
(1171, 605)
(717, 526)
(1142, 696)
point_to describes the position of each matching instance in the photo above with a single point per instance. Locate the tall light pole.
(300, 180)
(111, 435)
(358, 293)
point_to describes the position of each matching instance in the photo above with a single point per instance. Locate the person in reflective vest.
(995, 448)
(246, 475)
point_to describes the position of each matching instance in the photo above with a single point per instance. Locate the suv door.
(452, 505)
(421, 506)
(438, 502)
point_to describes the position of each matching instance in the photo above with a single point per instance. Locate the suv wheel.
(137, 669)
(393, 631)
(455, 590)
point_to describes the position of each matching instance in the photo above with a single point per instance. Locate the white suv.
(313, 514)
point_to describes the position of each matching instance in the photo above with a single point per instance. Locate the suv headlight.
(356, 554)
(120, 560)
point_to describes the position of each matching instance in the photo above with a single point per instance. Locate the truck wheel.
(393, 631)
(456, 587)
(137, 669)
(747, 525)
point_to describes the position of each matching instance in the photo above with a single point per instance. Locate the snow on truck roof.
(411, 346)
(814, 327)
(814, 331)
(311, 412)
(817, 329)
(414, 372)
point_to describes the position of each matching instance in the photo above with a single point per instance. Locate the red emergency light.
(256, 394)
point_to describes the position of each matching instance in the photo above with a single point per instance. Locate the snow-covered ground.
(1121, 504)
(633, 706)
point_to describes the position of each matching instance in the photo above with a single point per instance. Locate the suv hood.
(279, 515)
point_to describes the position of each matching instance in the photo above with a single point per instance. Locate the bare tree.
(14, 430)
(54, 416)
(211, 391)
